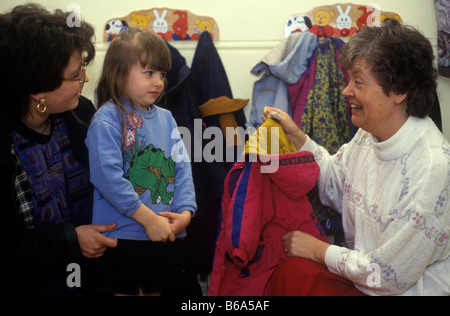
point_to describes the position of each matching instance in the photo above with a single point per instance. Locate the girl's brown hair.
(129, 47)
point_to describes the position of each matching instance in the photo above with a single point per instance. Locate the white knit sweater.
(394, 199)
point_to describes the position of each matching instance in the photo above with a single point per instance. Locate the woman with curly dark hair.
(391, 182)
(46, 192)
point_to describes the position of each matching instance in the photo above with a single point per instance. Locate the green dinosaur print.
(150, 170)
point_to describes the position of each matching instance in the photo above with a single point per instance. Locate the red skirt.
(302, 277)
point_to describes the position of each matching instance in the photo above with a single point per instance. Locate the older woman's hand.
(301, 245)
(293, 133)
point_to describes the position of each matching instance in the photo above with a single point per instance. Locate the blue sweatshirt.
(149, 165)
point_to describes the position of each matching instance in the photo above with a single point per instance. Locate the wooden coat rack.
(339, 20)
(170, 24)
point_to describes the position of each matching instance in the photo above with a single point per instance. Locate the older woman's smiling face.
(372, 110)
(65, 97)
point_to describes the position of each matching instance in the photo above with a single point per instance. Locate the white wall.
(249, 29)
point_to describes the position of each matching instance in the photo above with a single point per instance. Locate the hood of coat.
(290, 59)
(294, 173)
(179, 70)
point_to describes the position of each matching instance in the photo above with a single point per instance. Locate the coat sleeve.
(245, 220)
(106, 161)
(219, 251)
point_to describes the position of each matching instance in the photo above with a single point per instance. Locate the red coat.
(257, 210)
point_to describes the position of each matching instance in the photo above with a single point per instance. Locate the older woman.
(391, 182)
(46, 194)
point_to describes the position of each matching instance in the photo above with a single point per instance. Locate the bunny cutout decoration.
(339, 20)
(344, 21)
(160, 25)
(169, 24)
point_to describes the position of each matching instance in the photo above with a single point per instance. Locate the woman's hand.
(293, 133)
(301, 245)
(93, 243)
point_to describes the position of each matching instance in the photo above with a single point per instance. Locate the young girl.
(141, 181)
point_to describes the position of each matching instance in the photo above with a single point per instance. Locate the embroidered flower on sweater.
(440, 201)
(389, 271)
(130, 138)
(405, 189)
(374, 210)
(358, 197)
(347, 188)
(417, 218)
(429, 231)
(134, 120)
(444, 239)
(342, 263)
(133, 141)
(446, 151)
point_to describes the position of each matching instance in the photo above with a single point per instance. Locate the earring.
(41, 107)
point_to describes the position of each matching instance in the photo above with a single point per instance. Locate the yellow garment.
(260, 142)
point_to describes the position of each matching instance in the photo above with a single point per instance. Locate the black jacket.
(29, 258)
(187, 89)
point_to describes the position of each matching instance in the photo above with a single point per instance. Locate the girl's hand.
(178, 222)
(160, 230)
(157, 227)
(293, 133)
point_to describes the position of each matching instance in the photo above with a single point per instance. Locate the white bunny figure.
(344, 21)
(160, 25)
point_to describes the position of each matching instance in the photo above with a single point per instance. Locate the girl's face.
(65, 97)
(372, 110)
(144, 85)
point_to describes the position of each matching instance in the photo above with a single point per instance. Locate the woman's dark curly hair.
(401, 59)
(35, 48)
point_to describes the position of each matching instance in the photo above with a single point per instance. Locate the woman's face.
(65, 97)
(372, 110)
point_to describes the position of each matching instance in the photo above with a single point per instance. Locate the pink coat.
(257, 210)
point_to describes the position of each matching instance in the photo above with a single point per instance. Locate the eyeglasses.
(81, 79)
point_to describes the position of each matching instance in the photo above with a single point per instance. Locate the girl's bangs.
(154, 54)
